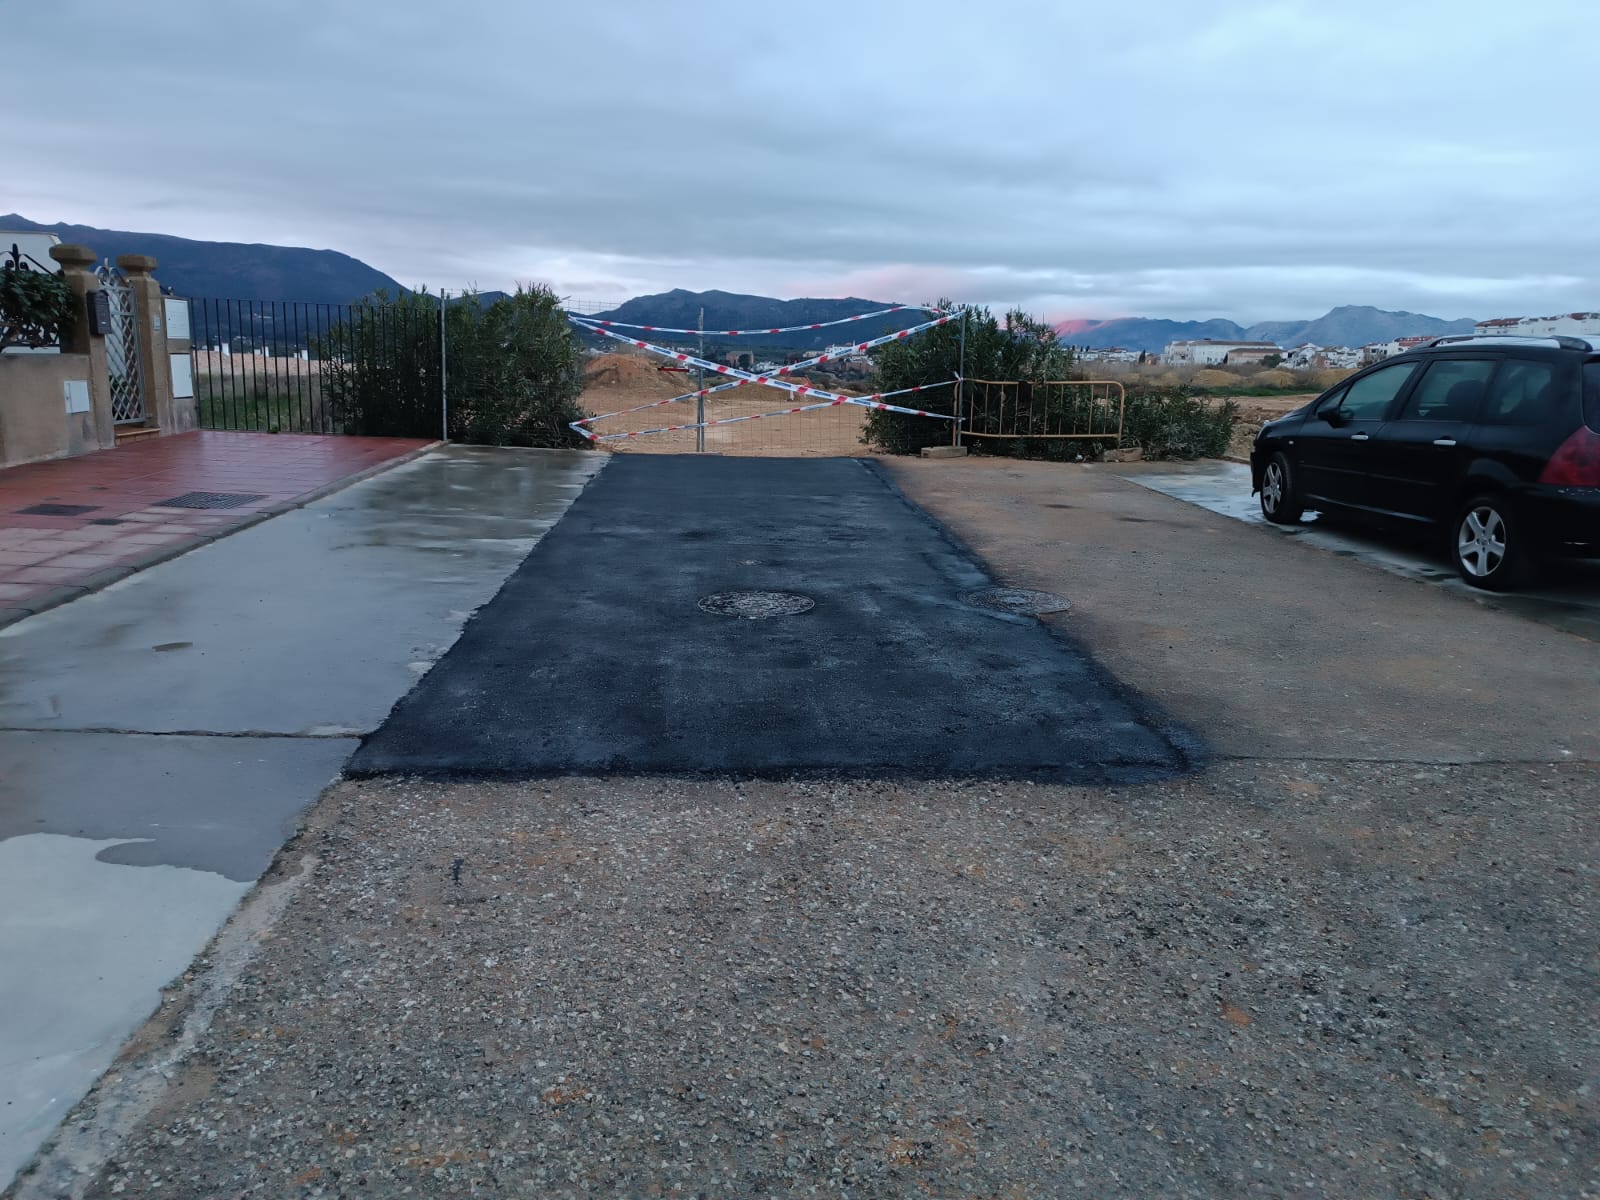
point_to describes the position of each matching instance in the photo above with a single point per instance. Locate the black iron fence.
(284, 367)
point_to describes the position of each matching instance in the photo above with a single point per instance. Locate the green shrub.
(1020, 348)
(515, 371)
(1175, 422)
(36, 307)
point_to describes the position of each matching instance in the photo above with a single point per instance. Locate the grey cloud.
(1270, 159)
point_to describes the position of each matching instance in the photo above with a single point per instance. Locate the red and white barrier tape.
(873, 401)
(790, 369)
(768, 380)
(882, 312)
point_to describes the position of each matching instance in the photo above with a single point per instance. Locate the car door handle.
(1360, 437)
(1444, 441)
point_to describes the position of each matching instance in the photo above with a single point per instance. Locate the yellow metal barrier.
(1086, 409)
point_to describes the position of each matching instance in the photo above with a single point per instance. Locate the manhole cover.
(209, 500)
(752, 606)
(1019, 602)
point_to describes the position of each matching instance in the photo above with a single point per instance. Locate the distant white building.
(847, 353)
(1208, 353)
(1108, 354)
(1311, 357)
(1578, 323)
(1378, 351)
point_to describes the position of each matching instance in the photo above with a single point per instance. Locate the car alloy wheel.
(1481, 542)
(1272, 486)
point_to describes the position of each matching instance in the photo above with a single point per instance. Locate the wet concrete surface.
(595, 657)
(1565, 596)
(217, 804)
(328, 613)
(160, 739)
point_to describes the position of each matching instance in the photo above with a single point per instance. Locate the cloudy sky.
(1259, 159)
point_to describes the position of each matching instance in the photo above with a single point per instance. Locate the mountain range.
(1349, 325)
(230, 270)
(243, 271)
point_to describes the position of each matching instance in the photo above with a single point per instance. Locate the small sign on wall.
(177, 318)
(182, 377)
(77, 395)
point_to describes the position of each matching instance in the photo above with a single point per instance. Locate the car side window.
(1368, 398)
(1521, 394)
(1450, 390)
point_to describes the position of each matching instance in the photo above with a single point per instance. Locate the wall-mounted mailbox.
(99, 313)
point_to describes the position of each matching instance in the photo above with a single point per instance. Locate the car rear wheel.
(1280, 499)
(1488, 547)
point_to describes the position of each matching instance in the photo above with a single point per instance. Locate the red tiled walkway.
(123, 525)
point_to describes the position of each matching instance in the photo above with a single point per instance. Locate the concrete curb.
(56, 597)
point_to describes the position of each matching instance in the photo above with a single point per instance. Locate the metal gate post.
(961, 381)
(444, 378)
(700, 386)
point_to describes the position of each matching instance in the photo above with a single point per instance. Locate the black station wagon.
(1493, 441)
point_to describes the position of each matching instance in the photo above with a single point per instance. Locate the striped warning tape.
(768, 380)
(790, 369)
(876, 400)
(882, 312)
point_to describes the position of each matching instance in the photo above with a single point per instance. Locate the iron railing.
(289, 367)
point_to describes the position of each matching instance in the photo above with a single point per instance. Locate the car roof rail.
(1565, 341)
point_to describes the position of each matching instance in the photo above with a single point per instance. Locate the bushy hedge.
(1174, 422)
(36, 307)
(1017, 347)
(513, 368)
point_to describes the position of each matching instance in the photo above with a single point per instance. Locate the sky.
(1260, 159)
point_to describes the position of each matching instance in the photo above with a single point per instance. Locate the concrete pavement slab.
(597, 656)
(311, 623)
(124, 846)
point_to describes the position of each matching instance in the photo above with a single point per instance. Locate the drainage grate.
(1019, 602)
(209, 500)
(753, 606)
(58, 510)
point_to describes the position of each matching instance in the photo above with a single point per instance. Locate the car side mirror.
(1332, 416)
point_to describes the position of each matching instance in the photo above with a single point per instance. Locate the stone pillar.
(155, 370)
(77, 268)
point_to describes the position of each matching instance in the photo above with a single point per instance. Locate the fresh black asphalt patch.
(595, 657)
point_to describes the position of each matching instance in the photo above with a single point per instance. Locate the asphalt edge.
(104, 579)
(359, 773)
(1189, 750)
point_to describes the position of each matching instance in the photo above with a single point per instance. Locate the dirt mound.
(628, 373)
(1208, 378)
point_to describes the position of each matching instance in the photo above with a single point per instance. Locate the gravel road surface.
(1352, 957)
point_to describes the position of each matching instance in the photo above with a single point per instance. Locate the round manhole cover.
(752, 606)
(1019, 602)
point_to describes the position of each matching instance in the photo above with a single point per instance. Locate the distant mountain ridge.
(1348, 325)
(230, 270)
(248, 271)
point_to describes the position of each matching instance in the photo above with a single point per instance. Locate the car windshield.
(1591, 394)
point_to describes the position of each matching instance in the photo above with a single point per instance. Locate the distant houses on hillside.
(1577, 324)
(1210, 352)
